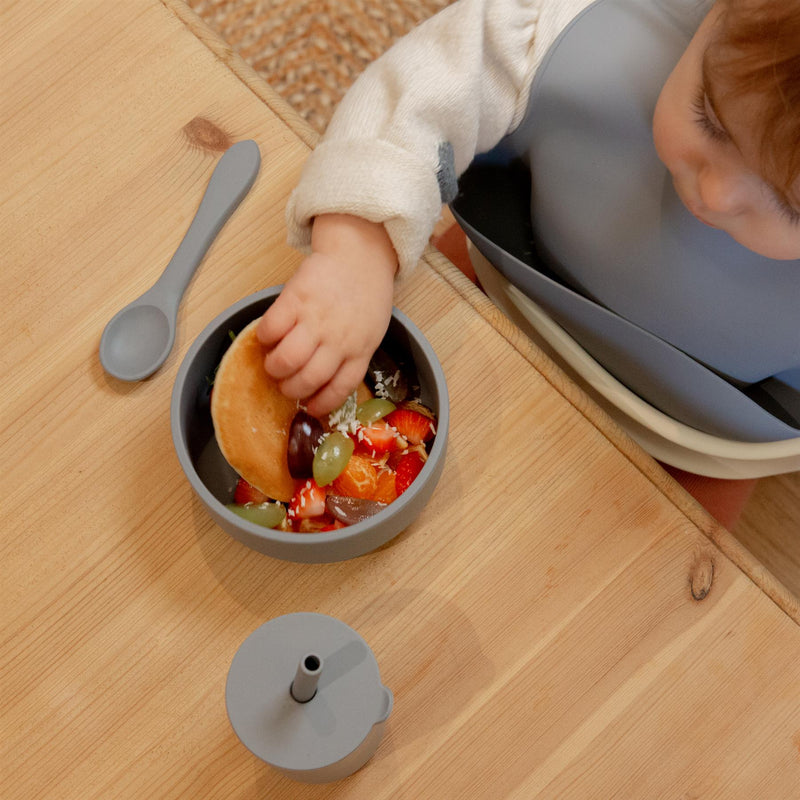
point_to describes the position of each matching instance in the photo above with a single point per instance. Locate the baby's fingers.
(338, 388)
(316, 372)
(277, 321)
(292, 354)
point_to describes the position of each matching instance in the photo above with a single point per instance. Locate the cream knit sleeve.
(415, 119)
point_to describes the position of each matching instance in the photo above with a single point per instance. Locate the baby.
(726, 126)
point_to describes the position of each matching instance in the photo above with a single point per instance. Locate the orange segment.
(385, 491)
(359, 479)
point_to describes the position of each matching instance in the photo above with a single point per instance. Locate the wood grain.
(770, 527)
(555, 624)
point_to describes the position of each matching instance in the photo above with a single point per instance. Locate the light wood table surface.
(561, 622)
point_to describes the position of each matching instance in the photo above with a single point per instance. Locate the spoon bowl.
(137, 340)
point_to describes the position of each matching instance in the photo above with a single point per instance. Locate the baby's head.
(727, 124)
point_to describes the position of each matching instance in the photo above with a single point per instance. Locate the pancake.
(252, 418)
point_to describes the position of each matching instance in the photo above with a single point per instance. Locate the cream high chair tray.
(664, 438)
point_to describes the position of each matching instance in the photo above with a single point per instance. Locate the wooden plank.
(552, 625)
(770, 527)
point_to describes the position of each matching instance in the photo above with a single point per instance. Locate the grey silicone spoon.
(137, 340)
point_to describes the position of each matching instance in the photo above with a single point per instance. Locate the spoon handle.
(231, 180)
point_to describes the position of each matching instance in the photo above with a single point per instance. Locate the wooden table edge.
(719, 536)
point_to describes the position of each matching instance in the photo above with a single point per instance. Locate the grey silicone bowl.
(214, 481)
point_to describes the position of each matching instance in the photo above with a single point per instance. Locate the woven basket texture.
(310, 51)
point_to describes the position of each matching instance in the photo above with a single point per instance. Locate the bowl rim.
(308, 540)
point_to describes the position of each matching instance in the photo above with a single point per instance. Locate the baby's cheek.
(780, 248)
(767, 234)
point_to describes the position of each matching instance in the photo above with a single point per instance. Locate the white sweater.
(416, 118)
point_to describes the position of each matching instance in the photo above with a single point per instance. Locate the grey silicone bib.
(606, 214)
(620, 262)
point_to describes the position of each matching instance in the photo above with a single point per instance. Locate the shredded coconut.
(380, 388)
(343, 419)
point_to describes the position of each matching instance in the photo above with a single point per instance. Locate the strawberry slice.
(334, 526)
(408, 467)
(246, 493)
(378, 438)
(411, 424)
(308, 501)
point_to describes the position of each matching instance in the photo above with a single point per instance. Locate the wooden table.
(561, 622)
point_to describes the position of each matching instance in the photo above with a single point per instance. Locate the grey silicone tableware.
(304, 694)
(214, 481)
(137, 339)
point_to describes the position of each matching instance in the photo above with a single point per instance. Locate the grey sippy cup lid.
(304, 694)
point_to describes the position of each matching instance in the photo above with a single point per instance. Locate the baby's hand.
(332, 314)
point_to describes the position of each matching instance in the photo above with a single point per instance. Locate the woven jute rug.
(310, 51)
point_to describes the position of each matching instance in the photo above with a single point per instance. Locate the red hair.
(755, 52)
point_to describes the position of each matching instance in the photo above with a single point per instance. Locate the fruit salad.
(352, 464)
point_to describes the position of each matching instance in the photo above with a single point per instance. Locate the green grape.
(374, 409)
(270, 515)
(331, 457)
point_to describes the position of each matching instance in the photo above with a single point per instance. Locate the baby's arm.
(392, 153)
(332, 314)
